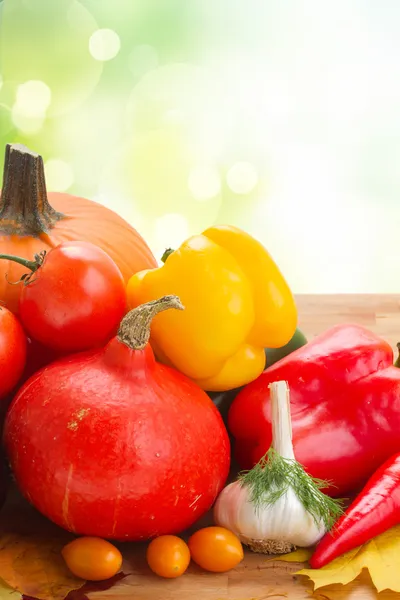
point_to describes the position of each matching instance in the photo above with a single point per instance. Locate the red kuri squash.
(110, 443)
(32, 221)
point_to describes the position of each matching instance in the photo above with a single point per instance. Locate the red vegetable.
(112, 444)
(12, 351)
(345, 406)
(375, 510)
(73, 297)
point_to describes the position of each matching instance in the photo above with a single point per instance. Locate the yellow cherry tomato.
(92, 558)
(168, 556)
(215, 549)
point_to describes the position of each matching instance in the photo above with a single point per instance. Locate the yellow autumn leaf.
(7, 593)
(380, 556)
(300, 555)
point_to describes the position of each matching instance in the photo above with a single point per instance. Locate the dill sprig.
(273, 475)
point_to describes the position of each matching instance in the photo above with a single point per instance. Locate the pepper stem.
(281, 420)
(24, 207)
(134, 330)
(167, 252)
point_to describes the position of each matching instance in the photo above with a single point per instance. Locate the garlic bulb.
(276, 506)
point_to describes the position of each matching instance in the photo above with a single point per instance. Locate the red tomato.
(12, 351)
(75, 300)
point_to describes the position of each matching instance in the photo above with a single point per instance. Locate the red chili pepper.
(345, 406)
(375, 510)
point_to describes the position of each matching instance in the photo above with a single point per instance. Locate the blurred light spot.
(174, 116)
(5, 119)
(28, 124)
(142, 59)
(242, 178)
(171, 230)
(104, 44)
(59, 175)
(204, 182)
(33, 98)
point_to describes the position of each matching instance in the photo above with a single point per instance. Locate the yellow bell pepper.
(236, 304)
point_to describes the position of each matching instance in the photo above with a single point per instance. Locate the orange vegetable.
(92, 558)
(168, 556)
(215, 549)
(32, 220)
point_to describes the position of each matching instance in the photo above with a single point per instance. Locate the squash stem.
(134, 330)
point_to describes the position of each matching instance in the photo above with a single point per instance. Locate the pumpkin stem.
(134, 330)
(24, 207)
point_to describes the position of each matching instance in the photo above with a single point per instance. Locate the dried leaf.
(7, 593)
(300, 555)
(33, 565)
(380, 556)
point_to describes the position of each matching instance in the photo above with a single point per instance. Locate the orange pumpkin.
(32, 221)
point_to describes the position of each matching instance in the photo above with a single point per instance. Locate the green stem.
(32, 265)
(167, 252)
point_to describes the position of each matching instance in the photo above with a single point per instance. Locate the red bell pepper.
(345, 406)
(375, 510)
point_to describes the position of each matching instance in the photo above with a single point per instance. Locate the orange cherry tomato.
(92, 558)
(215, 549)
(168, 556)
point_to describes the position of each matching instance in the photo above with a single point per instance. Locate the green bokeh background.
(279, 117)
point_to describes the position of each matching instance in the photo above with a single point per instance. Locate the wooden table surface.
(257, 577)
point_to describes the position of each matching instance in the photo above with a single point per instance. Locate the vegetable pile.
(123, 383)
(33, 221)
(345, 406)
(133, 449)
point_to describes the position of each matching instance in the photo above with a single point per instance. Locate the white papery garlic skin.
(270, 528)
(286, 520)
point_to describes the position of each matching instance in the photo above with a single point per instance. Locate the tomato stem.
(29, 264)
(134, 330)
(32, 265)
